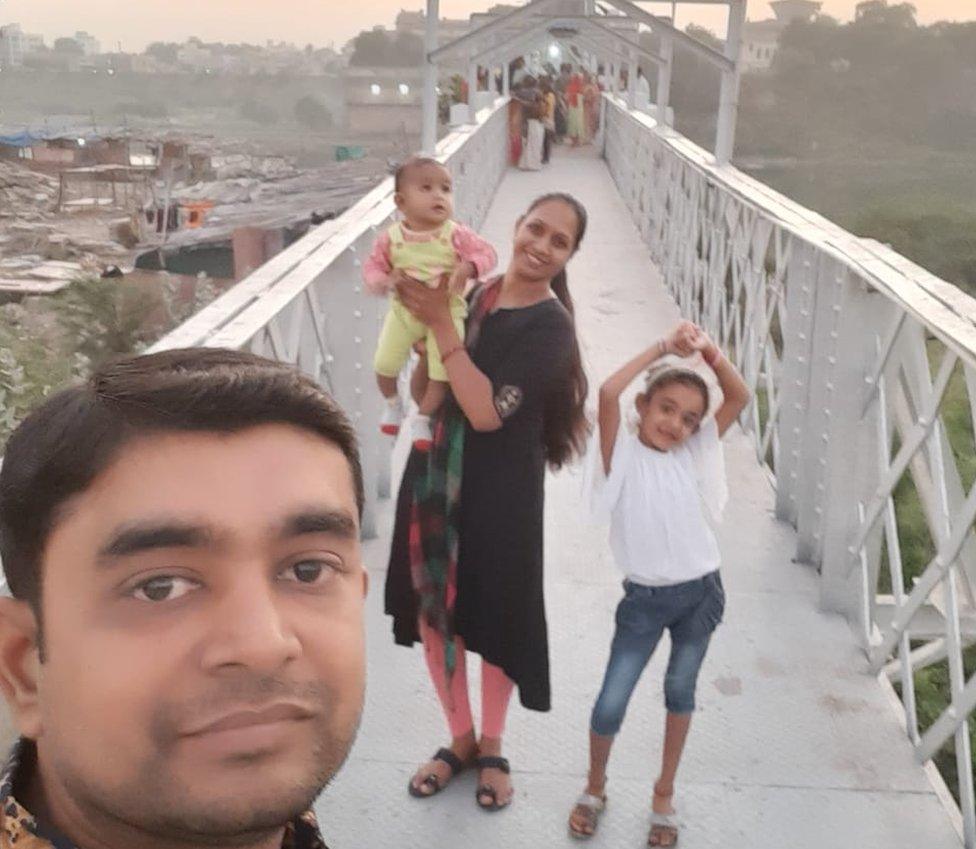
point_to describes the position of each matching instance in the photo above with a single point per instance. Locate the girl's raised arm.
(734, 389)
(679, 342)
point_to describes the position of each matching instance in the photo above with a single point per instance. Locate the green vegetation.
(53, 341)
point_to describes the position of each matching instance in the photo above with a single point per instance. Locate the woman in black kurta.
(521, 388)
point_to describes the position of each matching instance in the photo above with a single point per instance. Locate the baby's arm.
(608, 417)
(476, 257)
(377, 270)
(734, 390)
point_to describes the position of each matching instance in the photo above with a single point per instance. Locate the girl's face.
(670, 415)
(427, 196)
(545, 240)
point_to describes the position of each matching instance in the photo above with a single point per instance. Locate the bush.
(311, 113)
(258, 112)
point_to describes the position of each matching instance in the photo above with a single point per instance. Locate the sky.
(319, 22)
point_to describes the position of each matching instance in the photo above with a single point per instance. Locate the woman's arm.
(472, 389)
(734, 390)
(608, 413)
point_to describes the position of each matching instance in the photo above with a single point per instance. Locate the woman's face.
(545, 240)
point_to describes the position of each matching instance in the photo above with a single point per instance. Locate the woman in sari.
(466, 563)
(575, 124)
(591, 107)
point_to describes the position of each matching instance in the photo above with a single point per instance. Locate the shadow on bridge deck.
(794, 744)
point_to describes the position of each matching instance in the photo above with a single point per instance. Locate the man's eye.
(163, 588)
(308, 571)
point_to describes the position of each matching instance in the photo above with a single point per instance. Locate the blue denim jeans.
(690, 611)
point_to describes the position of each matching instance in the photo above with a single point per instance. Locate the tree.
(164, 52)
(878, 12)
(377, 48)
(311, 113)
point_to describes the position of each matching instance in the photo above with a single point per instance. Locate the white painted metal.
(428, 141)
(728, 108)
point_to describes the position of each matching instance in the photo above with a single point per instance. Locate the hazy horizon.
(319, 22)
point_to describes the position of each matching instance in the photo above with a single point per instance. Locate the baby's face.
(671, 415)
(426, 196)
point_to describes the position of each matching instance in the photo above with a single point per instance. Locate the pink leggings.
(496, 688)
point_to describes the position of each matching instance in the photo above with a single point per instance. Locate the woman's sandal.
(433, 780)
(491, 762)
(664, 827)
(588, 809)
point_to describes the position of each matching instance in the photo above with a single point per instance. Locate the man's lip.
(246, 718)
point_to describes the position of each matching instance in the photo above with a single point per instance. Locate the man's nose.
(251, 629)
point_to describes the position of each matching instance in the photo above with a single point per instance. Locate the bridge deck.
(794, 744)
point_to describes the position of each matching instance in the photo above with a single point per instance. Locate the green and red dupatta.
(434, 516)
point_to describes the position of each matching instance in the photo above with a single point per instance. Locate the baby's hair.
(411, 164)
(661, 376)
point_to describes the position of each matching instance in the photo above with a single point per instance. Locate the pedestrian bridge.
(808, 734)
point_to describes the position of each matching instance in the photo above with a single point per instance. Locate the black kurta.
(500, 610)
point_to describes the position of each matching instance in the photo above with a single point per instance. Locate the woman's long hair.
(566, 425)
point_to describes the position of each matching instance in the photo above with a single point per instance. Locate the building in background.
(88, 43)
(760, 39)
(383, 100)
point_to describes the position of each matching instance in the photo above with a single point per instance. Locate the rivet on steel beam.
(830, 386)
(359, 391)
(923, 421)
(869, 380)
(329, 358)
(799, 383)
(834, 334)
(358, 340)
(795, 454)
(820, 487)
(818, 511)
(796, 431)
(832, 360)
(798, 406)
(357, 313)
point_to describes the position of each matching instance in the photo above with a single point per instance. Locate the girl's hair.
(668, 375)
(566, 425)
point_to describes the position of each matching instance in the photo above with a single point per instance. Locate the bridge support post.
(844, 352)
(506, 79)
(472, 91)
(428, 141)
(728, 107)
(664, 81)
(631, 79)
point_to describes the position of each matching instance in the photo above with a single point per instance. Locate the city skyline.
(307, 21)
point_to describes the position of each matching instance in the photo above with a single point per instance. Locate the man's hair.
(60, 449)
(413, 163)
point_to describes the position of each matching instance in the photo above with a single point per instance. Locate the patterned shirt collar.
(20, 830)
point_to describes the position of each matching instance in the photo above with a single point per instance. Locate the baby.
(425, 245)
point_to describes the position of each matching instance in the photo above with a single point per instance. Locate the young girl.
(661, 486)
(424, 246)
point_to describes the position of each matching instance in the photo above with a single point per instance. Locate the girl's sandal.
(664, 830)
(664, 827)
(486, 790)
(588, 809)
(432, 781)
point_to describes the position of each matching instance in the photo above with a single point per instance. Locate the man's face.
(203, 633)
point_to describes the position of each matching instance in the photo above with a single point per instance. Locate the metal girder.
(619, 38)
(636, 13)
(536, 31)
(497, 26)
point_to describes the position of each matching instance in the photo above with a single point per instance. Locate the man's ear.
(20, 664)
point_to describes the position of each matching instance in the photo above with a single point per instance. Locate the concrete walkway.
(794, 744)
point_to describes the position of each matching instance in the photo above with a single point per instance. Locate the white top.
(658, 501)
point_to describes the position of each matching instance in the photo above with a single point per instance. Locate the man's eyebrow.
(335, 522)
(149, 536)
